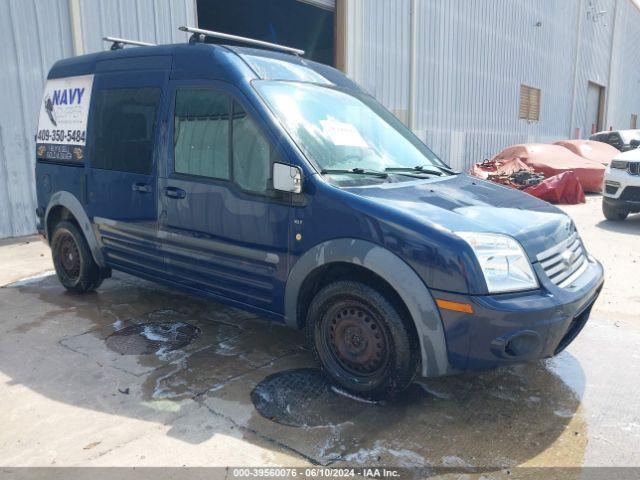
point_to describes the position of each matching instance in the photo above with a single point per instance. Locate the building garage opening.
(595, 109)
(308, 25)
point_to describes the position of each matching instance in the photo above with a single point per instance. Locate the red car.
(591, 150)
(553, 159)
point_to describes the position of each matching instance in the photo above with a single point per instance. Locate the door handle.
(141, 187)
(174, 192)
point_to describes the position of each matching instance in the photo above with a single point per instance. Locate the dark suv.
(623, 140)
(277, 185)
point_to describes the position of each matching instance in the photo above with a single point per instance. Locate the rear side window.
(124, 122)
(201, 133)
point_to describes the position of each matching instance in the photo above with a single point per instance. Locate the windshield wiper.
(430, 169)
(447, 169)
(357, 171)
(418, 169)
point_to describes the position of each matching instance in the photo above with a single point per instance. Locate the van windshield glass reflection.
(343, 132)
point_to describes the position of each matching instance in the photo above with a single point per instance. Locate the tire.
(613, 213)
(72, 259)
(361, 341)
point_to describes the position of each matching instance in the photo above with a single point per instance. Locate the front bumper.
(631, 206)
(517, 327)
(622, 190)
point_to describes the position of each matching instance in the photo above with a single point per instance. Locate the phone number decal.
(62, 136)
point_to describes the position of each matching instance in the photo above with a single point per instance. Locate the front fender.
(397, 273)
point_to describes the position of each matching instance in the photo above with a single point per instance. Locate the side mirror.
(287, 178)
(634, 143)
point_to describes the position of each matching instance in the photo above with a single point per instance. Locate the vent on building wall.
(529, 103)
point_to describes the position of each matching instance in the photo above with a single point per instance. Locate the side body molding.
(397, 273)
(71, 203)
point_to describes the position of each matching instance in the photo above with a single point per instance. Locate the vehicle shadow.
(54, 343)
(631, 225)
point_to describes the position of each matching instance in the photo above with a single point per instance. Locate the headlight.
(504, 264)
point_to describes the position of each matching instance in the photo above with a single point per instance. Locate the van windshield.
(344, 132)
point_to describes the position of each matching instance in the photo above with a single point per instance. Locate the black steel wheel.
(355, 338)
(72, 259)
(361, 341)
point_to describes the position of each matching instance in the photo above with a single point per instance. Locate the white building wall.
(471, 56)
(35, 34)
(146, 20)
(624, 94)
(593, 55)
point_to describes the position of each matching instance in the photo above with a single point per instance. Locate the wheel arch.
(63, 202)
(389, 268)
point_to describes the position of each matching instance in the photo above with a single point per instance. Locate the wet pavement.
(260, 380)
(137, 374)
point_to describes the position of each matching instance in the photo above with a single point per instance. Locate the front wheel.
(361, 340)
(72, 259)
(613, 213)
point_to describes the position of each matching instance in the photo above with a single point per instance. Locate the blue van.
(277, 185)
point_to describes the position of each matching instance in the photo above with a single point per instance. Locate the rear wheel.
(361, 340)
(72, 259)
(613, 213)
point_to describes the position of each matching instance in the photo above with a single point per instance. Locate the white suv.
(621, 195)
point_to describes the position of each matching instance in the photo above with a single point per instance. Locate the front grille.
(565, 262)
(631, 194)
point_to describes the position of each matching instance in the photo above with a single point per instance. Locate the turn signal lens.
(455, 306)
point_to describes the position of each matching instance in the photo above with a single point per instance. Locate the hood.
(462, 203)
(629, 156)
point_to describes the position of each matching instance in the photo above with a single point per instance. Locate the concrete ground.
(70, 399)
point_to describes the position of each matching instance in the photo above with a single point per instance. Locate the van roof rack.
(119, 43)
(199, 35)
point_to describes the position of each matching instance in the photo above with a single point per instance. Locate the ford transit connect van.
(277, 185)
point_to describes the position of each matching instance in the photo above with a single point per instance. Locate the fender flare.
(71, 203)
(411, 289)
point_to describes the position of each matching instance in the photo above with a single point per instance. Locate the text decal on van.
(62, 125)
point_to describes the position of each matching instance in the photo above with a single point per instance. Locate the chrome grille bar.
(565, 262)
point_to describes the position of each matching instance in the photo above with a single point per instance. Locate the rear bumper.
(511, 328)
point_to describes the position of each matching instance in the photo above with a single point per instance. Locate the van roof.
(191, 60)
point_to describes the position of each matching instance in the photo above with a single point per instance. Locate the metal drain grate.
(303, 398)
(150, 338)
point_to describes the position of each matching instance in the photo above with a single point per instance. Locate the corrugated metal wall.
(593, 55)
(36, 33)
(471, 56)
(624, 99)
(146, 20)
